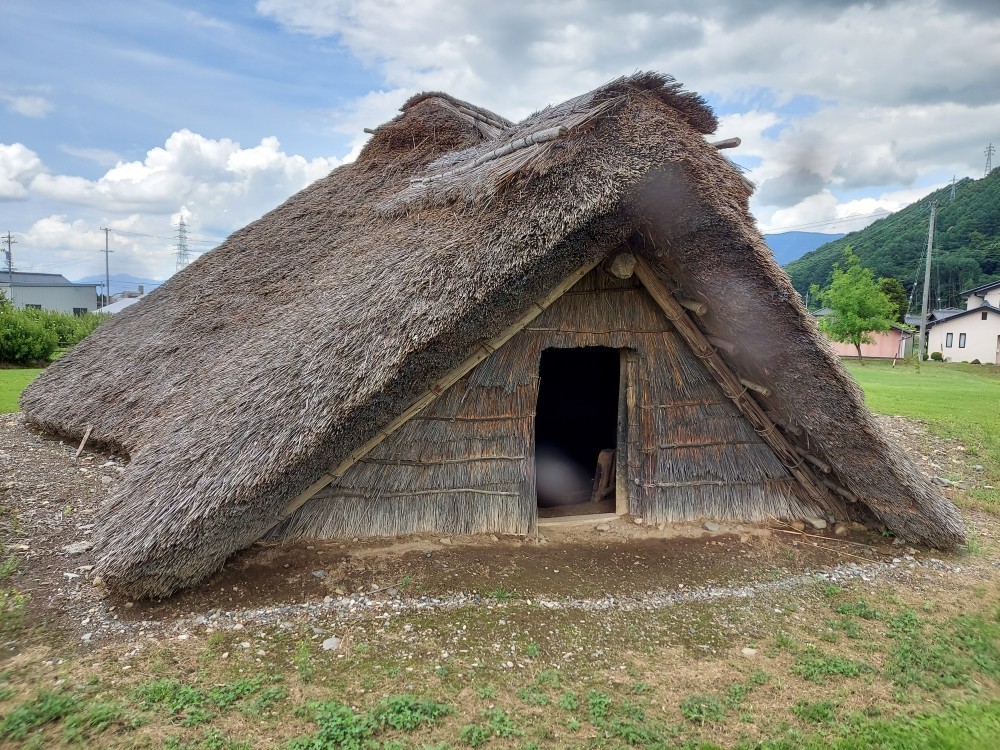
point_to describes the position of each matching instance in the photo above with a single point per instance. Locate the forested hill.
(966, 244)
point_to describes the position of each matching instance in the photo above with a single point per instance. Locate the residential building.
(973, 334)
(48, 291)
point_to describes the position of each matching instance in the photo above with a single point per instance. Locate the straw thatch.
(269, 361)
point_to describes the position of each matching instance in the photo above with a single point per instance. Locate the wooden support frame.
(731, 384)
(626, 408)
(436, 389)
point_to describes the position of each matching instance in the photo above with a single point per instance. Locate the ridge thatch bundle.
(295, 346)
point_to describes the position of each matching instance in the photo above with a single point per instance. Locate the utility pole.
(927, 285)
(107, 268)
(183, 256)
(8, 240)
(990, 150)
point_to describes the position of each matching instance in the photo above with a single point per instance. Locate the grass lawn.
(959, 401)
(12, 382)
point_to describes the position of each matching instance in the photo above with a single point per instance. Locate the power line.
(880, 212)
(161, 237)
(990, 150)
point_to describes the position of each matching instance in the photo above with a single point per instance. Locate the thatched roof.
(270, 359)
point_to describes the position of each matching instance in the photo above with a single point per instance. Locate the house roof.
(982, 289)
(982, 308)
(118, 305)
(30, 278)
(389, 272)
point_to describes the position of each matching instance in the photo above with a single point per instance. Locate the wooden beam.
(731, 384)
(727, 143)
(818, 463)
(727, 346)
(787, 427)
(763, 390)
(847, 494)
(436, 389)
(699, 308)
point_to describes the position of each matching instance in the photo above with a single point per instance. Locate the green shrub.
(24, 338)
(29, 337)
(937, 356)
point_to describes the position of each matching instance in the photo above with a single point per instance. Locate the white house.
(973, 334)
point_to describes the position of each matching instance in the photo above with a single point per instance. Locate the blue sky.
(132, 114)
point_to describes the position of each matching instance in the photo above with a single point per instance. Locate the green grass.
(12, 382)
(957, 401)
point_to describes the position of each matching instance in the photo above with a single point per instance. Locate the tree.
(859, 307)
(892, 289)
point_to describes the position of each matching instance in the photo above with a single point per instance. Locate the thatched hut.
(366, 359)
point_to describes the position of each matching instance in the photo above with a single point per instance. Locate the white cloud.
(100, 156)
(27, 105)
(18, 166)
(194, 170)
(216, 184)
(867, 95)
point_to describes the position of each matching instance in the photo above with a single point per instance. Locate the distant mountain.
(966, 244)
(789, 246)
(121, 282)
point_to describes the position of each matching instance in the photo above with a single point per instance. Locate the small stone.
(711, 526)
(77, 548)
(841, 529)
(446, 541)
(603, 527)
(183, 637)
(978, 467)
(319, 573)
(331, 644)
(816, 523)
(637, 521)
(86, 637)
(98, 581)
(798, 525)
(749, 652)
(494, 538)
(943, 482)
(106, 480)
(858, 526)
(238, 626)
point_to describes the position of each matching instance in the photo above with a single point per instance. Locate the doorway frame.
(627, 368)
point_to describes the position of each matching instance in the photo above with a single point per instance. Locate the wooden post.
(86, 436)
(731, 384)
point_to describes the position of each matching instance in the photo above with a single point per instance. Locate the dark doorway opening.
(575, 421)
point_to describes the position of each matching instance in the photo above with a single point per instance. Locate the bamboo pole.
(730, 383)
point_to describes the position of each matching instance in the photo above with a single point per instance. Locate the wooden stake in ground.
(83, 442)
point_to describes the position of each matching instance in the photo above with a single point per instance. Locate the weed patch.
(702, 709)
(816, 667)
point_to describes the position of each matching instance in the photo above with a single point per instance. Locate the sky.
(131, 114)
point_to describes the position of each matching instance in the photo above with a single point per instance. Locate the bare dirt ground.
(50, 501)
